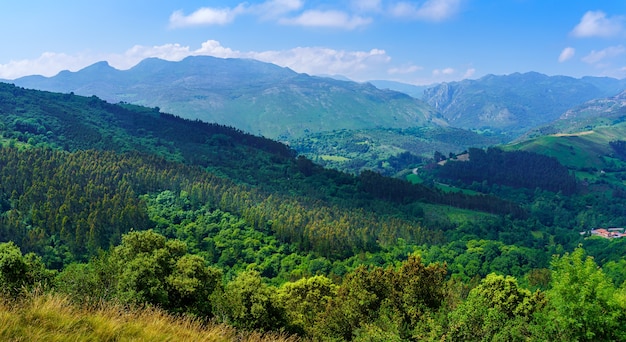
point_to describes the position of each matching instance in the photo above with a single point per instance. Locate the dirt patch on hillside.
(572, 134)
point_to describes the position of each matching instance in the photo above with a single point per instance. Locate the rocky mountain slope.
(517, 102)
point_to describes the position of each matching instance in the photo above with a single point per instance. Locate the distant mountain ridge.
(585, 117)
(410, 89)
(517, 102)
(257, 97)
(604, 107)
(335, 120)
(583, 137)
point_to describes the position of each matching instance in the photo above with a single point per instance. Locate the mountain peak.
(98, 67)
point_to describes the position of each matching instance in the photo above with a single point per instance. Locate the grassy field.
(51, 317)
(577, 150)
(452, 214)
(326, 157)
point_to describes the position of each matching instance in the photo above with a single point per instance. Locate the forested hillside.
(385, 150)
(107, 205)
(518, 169)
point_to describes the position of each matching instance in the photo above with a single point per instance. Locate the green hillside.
(73, 123)
(122, 222)
(589, 154)
(387, 150)
(584, 150)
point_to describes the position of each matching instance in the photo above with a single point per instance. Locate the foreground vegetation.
(54, 317)
(123, 294)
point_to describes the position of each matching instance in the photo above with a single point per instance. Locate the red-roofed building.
(610, 233)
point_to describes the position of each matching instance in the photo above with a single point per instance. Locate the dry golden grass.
(52, 317)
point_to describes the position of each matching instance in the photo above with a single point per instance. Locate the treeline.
(73, 123)
(234, 245)
(619, 148)
(401, 191)
(387, 150)
(85, 200)
(520, 169)
(408, 301)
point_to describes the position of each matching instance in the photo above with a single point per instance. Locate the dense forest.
(519, 169)
(123, 205)
(619, 147)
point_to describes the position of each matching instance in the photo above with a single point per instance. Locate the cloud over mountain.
(597, 24)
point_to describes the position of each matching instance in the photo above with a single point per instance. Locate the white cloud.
(597, 24)
(215, 49)
(275, 8)
(469, 73)
(318, 60)
(366, 5)
(599, 56)
(446, 71)
(404, 70)
(566, 54)
(206, 16)
(433, 10)
(48, 64)
(332, 19)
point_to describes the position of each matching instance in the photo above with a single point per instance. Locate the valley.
(266, 201)
(342, 124)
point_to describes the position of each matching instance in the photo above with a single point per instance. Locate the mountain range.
(344, 124)
(518, 102)
(587, 116)
(260, 98)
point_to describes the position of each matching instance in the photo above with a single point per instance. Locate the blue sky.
(417, 42)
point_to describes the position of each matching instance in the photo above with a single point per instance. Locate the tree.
(385, 302)
(616, 270)
(191, 283)
(19, 271)
(305, 300)
(83, 283)
(496, 310)
(584, 303)
(417, 289)
(438, 156)
(248, 303)
(152, 269)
